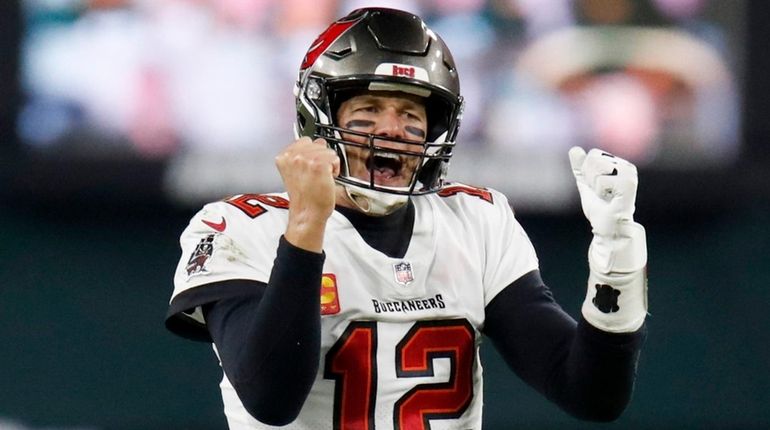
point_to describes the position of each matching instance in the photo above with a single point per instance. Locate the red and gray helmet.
(381, 49)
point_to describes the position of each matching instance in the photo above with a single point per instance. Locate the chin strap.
(376, 203)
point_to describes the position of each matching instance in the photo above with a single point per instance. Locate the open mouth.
(384, 166)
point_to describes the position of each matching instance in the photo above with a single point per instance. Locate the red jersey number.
(352, 364)
(452, 190)
(250, 203)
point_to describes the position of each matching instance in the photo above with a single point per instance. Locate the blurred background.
(120, 118)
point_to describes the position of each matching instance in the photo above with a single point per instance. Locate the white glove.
(616, 300)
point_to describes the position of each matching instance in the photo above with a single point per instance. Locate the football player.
(357, 298)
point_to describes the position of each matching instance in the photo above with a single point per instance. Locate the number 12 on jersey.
(352, 364)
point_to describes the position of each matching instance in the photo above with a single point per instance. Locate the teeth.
(389, 155)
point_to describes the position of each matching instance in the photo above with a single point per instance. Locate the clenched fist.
(616, 299)
(607, 186)
(308, 168)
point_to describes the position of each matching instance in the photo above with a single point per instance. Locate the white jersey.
(399, 336)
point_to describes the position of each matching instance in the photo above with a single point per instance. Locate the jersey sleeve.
(509, 253)
(225, 252)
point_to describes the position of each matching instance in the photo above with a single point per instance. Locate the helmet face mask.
(374, 50)
(425, 156)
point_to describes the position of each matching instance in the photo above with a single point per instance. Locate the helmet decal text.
(402, 70)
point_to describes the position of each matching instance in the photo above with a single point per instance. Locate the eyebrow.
(374, 100)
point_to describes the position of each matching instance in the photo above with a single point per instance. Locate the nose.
(390, 124)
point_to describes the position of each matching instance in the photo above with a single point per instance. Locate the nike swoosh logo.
(220, 227)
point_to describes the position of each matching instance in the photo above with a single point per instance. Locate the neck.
(389, 234)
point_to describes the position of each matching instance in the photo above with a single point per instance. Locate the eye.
(366, 108)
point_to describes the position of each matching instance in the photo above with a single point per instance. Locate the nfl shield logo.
(403, 272)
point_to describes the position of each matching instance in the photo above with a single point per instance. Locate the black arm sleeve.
(269, 345)
(587, 372)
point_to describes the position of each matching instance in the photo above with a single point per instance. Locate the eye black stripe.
(415, 131)
(359, 123)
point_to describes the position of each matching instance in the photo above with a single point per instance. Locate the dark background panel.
(84, 295)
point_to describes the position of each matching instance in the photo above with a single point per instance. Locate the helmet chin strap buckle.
(373, 202)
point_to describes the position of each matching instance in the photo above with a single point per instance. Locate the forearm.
(616, 297)
(596, 379)
(306, 230)
(597, 376)
(269, 346)
(585, 371)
